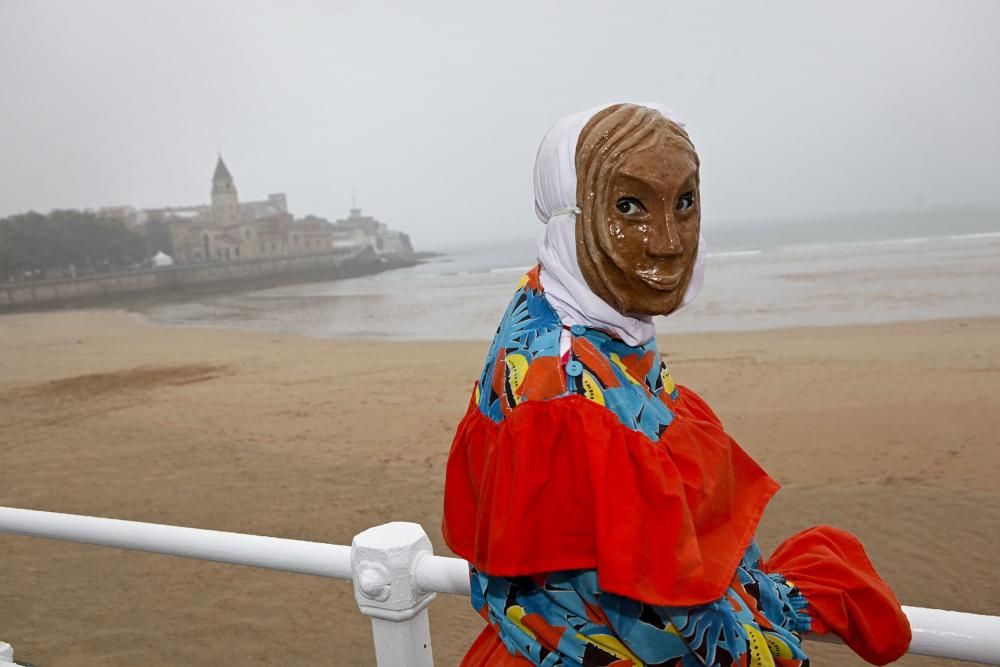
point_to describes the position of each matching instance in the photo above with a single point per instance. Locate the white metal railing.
(396, 575)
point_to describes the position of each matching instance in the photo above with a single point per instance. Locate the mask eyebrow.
(630, 182)
(631, 179)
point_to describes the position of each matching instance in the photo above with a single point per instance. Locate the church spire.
(222, 180)
(225, 203)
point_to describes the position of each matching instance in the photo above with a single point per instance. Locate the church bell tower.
(225, 205)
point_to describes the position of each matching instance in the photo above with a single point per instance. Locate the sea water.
(802, 273)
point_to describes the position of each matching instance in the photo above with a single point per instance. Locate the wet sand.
(891, 431)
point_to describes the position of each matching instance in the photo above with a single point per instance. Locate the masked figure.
(608, 517)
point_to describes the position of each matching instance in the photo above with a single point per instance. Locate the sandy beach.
(890, 431)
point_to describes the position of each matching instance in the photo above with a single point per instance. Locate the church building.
(229, 230)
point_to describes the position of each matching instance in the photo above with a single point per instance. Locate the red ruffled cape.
(561, 484)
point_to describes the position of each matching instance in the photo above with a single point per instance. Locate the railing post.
(384, 566)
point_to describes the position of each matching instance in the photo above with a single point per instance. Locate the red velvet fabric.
(561, 484)
(846, 595)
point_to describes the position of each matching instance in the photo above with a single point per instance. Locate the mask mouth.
(658, 281)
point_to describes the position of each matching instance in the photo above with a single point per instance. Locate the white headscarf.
(555, 204)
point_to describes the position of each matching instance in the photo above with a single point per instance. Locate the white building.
(360, 231)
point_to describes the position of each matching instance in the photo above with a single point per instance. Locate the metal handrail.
(396, 575)
(275, 553)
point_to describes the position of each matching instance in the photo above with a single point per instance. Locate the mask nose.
(663, 240)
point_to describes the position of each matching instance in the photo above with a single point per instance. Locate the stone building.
(229, 230)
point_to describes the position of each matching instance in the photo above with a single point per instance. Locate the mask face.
(637, 234)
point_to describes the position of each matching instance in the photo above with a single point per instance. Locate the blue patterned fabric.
(631, 381)
(564, 619)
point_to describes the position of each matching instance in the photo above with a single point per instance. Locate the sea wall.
(194, 277)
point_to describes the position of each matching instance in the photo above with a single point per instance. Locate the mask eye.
(685, 201)
(630, 206)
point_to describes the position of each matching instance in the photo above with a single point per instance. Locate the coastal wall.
(251, 272)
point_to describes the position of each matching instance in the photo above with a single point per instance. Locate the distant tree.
(33, 242)
(27, 243)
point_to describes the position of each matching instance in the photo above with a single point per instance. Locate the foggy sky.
(433, 110)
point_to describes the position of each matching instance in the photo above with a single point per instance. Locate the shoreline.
(886, 430)
(181, 283)
(463, 299)
(143, 319)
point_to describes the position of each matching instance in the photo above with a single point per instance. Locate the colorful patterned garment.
(632, 382)
(579, 457)
(564, 619)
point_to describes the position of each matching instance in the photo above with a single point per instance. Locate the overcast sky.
(433, 110)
